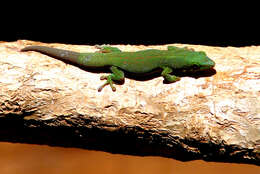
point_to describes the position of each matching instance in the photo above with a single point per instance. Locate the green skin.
(140, 62)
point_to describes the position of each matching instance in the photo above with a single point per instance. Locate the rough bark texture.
(215, 118)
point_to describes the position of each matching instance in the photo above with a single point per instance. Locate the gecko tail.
(55, 52)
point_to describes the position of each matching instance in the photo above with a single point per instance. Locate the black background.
(154, 23)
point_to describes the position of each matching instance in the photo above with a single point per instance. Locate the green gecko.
(139, 62)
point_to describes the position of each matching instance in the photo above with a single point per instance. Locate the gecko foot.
(108, 82)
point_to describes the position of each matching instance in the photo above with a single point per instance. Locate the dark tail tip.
(31, 48)
(54, 52)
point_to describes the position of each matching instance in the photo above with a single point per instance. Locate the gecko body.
(139, 62)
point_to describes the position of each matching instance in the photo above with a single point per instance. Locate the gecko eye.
(195, 67)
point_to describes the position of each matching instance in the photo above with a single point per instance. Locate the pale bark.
(214, 118)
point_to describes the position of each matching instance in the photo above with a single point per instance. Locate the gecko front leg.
(167, 76)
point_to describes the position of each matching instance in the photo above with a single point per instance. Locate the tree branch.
(214, 118)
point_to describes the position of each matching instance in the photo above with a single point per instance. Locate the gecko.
(139, 62)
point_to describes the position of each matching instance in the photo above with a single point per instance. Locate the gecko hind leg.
(117, 75)
(107, 49)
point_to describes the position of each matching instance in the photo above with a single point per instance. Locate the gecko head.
(198, 61)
